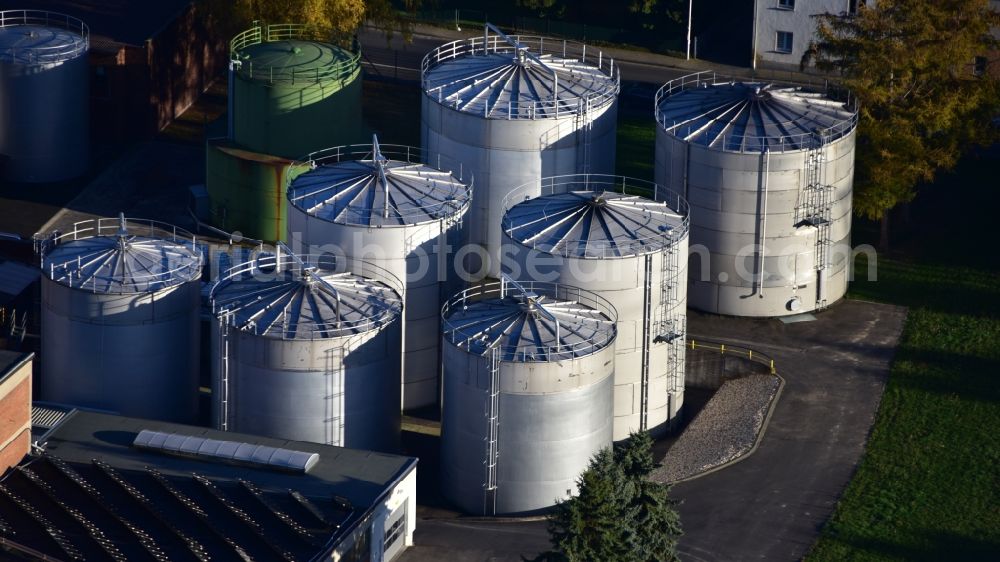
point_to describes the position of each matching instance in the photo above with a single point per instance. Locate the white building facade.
(783, 29)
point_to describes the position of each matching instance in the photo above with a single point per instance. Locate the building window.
(393, 533)
(783, 42)
(786, 4)
(853, 5)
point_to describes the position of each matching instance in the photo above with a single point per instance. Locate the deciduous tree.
(910, 64)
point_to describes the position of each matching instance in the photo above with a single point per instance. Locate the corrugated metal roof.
(752, 116)
(38, 43)
(122, 264)
(529, 327)
(594, 224)
(293, 305)
(358, 193)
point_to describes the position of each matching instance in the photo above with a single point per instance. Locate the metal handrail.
(393, 153)
(724, 348)
(56, 53)
(559, 49)
(555, 185)
(112, 227)
(738, 143)
(501, 289)
(343, 70)
(309, 267)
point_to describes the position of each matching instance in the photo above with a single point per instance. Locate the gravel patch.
(725, 429)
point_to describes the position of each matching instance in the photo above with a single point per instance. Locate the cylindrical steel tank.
(769, 172)
(599, 233)
(528, 372)
(385, 205)
(308, 348)
(44, 117)
(293, 91)
(513, 110)
(120, 304)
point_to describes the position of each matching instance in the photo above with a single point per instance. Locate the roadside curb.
(756, 443)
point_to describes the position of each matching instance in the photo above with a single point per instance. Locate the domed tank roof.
(750, 116)
(528, 322)
(122, 256)
(375, 190)
(290, 53)
(39, 37)
(303, 299)
(595, 224)
(517, 78)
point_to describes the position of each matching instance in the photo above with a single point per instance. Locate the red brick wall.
(15, 416)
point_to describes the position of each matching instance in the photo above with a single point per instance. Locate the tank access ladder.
(816, 210)
(672, 320)
(493, 435)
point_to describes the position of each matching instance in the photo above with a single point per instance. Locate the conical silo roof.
(378, 192)
(594, 224)
(123, 262)
(526, 326)
(304, 302)
(39, 37)
(517, 78)
(751, 116)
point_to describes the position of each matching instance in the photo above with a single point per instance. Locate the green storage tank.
(291, 92)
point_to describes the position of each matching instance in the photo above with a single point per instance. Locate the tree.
(909, 63)
(659, 15)
(341, 18)
(618, 514)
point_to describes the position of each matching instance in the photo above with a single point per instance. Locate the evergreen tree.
(618, 514)
(910, 64)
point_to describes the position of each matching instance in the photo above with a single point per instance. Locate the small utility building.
(104, 487)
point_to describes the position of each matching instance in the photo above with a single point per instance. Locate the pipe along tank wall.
(769, 172)
(384, 204)
(597, 233)
(513, 110)
(528, 373)
(308, 348)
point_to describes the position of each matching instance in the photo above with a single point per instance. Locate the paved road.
(772, 505)
(400, 60)
(397, 59)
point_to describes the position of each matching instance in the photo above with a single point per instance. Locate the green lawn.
(634, 151)
(929, 485)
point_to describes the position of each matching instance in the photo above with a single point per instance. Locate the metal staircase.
(492, 442)
(816, 209)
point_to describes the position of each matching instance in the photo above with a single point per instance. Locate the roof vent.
(235, 452)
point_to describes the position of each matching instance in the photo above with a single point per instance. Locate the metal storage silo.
(44, 117)
(383, 204)
(119, 330)
(514, 109)
(528, 372)
(597, 232)
(308, 348)
(291, 91)
(769, 172)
